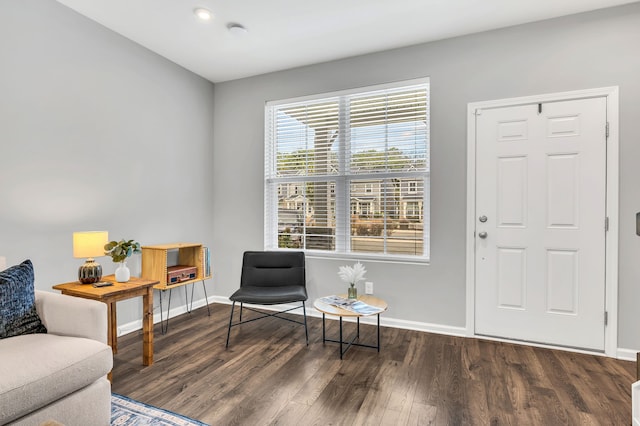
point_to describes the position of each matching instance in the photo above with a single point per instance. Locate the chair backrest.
(273, 269)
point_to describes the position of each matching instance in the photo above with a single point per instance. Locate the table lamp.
(89, 245)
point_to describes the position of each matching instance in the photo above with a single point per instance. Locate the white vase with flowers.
(352, 275)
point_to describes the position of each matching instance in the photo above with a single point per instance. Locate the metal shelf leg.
(164, 326)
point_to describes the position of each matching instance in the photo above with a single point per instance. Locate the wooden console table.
(155, 267)
(110, 295)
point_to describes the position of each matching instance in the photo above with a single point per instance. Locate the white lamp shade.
(3, 263)
(89, 244)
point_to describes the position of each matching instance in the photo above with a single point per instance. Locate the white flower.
(353, 274)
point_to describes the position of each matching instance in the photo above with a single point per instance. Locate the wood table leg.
(113, 320)
(110, 340)
(110, 327)
(147, 327)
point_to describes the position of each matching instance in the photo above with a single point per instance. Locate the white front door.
(540, 222)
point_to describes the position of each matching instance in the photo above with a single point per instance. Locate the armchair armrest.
(72, 316)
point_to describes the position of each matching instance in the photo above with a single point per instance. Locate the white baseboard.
(136, 325)
(622, 354)
(312, 312)
(384, 321)
(626, 354)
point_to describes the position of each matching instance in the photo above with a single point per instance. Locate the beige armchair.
(61, 375)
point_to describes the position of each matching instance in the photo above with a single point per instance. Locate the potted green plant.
(119, 252)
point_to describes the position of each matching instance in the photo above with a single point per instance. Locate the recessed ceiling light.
(203, 14)
(236, 29)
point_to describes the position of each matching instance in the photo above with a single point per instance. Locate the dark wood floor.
(268, 376)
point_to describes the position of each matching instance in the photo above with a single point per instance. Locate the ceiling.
(283, 34)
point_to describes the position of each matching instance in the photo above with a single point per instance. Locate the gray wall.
(578, 52)
(96, 133)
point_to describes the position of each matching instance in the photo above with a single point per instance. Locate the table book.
(353, 305)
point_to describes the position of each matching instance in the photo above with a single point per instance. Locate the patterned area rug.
(127, 412)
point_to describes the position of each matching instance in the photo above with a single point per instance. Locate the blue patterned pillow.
(18, 302)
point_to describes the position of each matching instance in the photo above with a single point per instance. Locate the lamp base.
(90, 272)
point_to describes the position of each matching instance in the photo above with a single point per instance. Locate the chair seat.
(270, 295)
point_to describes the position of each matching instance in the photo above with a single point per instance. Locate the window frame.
(340, 183)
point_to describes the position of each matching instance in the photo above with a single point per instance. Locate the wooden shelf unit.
(154, 262)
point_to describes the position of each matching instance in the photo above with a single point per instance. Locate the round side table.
(328, 309)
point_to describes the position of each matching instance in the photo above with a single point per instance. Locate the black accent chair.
(271, 278)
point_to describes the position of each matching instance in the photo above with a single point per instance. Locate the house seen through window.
(348, 173)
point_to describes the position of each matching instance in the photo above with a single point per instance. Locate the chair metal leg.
(266, 315)
(306, 332)
(233, 305)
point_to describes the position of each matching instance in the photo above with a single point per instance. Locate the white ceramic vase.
(123, 273)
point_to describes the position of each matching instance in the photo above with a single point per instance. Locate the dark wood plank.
(268, 376)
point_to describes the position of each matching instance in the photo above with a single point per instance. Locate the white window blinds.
(348, 173)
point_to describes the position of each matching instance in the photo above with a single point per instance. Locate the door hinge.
(606, 130)
(606, 224)
(606, 318)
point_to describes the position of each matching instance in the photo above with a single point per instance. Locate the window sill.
(369, 257)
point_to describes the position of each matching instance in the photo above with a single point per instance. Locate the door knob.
(482, 235)
(482, 218)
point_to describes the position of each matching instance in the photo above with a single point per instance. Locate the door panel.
(562, 188)
(562, 281)
(512, 277)
(540, 180)
(512, 191)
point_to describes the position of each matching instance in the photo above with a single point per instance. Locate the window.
(365, 209)
(359, 163)
(413, 210)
